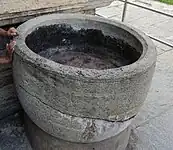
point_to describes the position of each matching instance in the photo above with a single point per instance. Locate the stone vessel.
(81, 79)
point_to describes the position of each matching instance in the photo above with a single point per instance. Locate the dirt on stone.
(79, 59)
(84, 48)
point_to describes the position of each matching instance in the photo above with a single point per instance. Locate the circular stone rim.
(146, 60)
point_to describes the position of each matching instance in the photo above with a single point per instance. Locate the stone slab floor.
(153, 127)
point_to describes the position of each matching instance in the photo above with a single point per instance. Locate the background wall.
(14, 11)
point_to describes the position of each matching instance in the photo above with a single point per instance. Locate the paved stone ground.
(153, 127)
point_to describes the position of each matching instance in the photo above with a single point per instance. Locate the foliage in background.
(167, 1)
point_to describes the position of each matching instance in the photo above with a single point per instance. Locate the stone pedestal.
(41, 140)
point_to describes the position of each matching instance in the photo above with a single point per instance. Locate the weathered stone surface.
(15, 11)
(40, 140)
(68, 127)
(53, 95)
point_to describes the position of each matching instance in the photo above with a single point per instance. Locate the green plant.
(167, 1)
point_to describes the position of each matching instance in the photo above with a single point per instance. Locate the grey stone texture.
(63, 100)
(41, 140)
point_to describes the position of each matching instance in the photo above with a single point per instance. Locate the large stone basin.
(82, 78)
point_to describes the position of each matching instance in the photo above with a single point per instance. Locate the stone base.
(40, 140)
